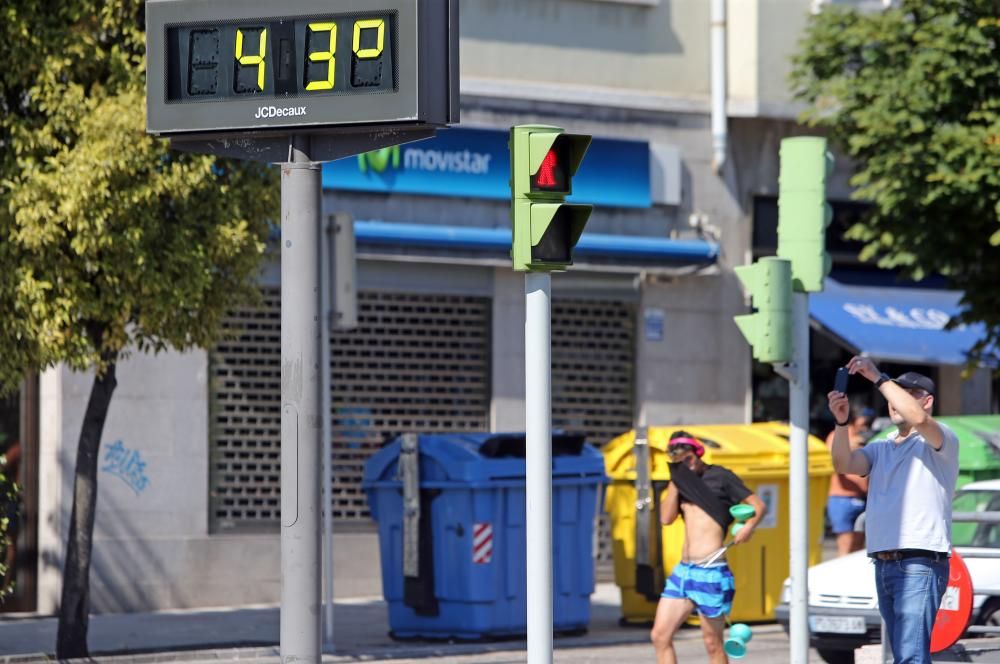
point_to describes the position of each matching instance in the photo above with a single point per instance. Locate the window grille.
(415, 363)
(593, 380)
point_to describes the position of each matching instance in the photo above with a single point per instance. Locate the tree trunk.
(74, 608)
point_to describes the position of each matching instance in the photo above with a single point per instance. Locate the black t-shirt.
(724, 485)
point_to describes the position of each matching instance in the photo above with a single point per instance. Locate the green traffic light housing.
(543, 161)
(769, 329)
(803, 212)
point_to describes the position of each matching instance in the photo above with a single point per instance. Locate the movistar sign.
(475, 163)
(379, 160)
(417, 159)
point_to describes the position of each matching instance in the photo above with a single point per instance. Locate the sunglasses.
(678, 451)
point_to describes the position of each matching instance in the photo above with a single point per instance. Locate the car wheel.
(836, 656)
(990, 615)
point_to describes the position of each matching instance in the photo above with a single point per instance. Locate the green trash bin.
(979, 449)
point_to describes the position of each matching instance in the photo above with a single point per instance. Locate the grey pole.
(798, 498)
(538, 493)
(326, 322)
(300, 422)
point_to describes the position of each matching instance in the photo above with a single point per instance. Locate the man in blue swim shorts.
(701, 494)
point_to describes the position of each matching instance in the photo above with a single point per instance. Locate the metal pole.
(300, 430)
(326, 321)
(538, 494)
(718, 82)
(798, 495)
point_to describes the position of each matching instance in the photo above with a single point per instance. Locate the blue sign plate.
(475, 163)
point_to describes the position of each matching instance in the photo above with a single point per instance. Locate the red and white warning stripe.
(482, 543)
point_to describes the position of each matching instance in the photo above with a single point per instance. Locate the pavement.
(361, 635)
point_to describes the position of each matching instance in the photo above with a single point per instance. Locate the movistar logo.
(276, 112)
(379, 160)
(429, 160)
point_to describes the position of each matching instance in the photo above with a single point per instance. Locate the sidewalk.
(360, 630)
(361, 633)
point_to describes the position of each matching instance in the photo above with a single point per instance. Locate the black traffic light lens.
(554, 247)
(553, 174)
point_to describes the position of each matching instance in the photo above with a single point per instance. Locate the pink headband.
(699, 449)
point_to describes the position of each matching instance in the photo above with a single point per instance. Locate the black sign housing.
(234, 66)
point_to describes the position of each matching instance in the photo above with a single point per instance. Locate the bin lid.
(978, 440)
(746, 449)
(476, 458)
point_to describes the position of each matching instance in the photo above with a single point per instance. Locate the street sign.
(298, 84)
(956, 606)
(234, 66)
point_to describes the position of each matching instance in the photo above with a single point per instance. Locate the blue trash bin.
(452, 542)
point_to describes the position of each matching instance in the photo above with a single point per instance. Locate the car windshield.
(976, 534)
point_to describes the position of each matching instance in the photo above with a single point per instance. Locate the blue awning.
(625, 247)
(896, 324)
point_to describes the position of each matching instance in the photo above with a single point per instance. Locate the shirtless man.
(707, 588)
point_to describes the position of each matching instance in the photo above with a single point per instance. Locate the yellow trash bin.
(759, 455)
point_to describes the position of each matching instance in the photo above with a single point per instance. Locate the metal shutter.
(415, 363)
(593, 379)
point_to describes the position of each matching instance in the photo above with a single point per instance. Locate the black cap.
(911, 380)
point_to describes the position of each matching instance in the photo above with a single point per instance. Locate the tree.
(9, 508)
(111, 242)
(912, 95)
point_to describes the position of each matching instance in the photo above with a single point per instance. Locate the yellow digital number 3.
(249, 60)
(365, 53)
(324, 56)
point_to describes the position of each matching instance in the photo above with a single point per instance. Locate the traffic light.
(803, 213)
(769, 329)
(543, 161)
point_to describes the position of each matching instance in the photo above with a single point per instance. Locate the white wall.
(152, 548)
(698, 373)
(507, 408)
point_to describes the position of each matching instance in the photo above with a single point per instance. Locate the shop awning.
(894, 323)
(497, 241)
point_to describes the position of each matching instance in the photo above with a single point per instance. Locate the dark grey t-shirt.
(910, 488)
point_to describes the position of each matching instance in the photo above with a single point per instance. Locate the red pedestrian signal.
(546, 178)
(551, 175)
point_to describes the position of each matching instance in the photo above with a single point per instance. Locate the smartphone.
(840, 382)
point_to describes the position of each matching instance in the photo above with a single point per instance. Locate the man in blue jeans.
(911, 482)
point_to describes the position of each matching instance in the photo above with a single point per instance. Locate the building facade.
(642, 324)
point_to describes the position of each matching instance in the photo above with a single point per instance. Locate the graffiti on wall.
(126, 465)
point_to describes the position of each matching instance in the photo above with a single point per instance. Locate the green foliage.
(912, 94)
(8, 505)
(109, 240)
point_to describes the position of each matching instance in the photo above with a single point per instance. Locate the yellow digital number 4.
(249, 60)
(324, 56)
(371, 23)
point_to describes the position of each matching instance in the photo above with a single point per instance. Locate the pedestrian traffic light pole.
(797, 375)
(544, 231)
(538, 459)
(779, 334)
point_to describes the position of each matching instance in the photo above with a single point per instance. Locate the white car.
(843, 606)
